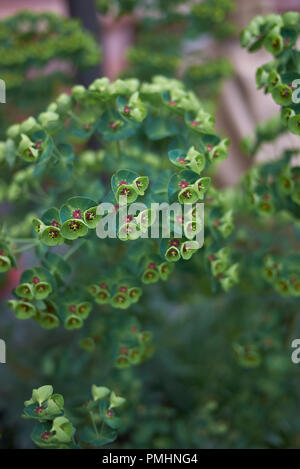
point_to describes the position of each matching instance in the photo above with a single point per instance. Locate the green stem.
(23, 240)
(76, 118)
(94, 423)
(74, 249)
(28, 246)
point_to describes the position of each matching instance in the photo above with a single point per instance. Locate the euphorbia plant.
(40, 53)
(156, 145)
(97, 418)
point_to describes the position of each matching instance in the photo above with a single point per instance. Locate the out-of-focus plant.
(163, 31)
(40, 52)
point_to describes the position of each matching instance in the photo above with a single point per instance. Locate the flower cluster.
(118, 296)
(132, 348)
(7, 258)
(73, 220)
(55, 430)
(278, 34)
(274, 186)
(283, 275)
(31, 39)
(221, 268)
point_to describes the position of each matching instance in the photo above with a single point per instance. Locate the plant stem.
(74, 249)
(28, 246)
(94, 423)
(23, 240)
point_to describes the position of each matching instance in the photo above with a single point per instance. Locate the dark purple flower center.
(175, 242)
(183, 184)
(74, 225)
(53, 233)
(90, 215)
(77, 214)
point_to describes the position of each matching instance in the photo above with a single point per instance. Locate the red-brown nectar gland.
(73, 321)
(152, 266)
(55, 223)
(126, 110)
(175, 242)
(209, 147)
(133, 293)
(150, 274)
(187, 194)
(72, 308)
(37, 410)
(129, 218)
(194, 123)
(120, 299)
(181, 160)
(77, 214)
(217, 223)
(113, 125)
(123, 289)
(82, 309)
(35, 280)
(285, 93)
(172, 253)
(46, 436)
(183, 184)
(102, 295)
(125, 191)
(211, 258)
(38, 144)
(74, 225)
(123, 351)
(172, 103)
(109, 413)
(90, 215)
(53, 234)
(103, 285)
